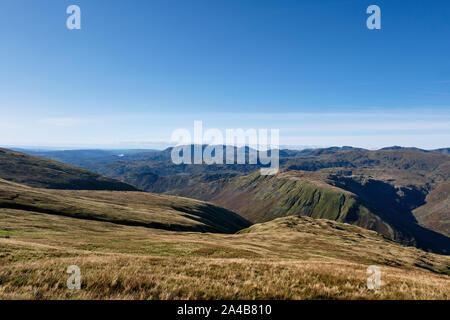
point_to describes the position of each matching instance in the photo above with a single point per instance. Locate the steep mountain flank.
(264, 198)
(435, 213)
(370, 204)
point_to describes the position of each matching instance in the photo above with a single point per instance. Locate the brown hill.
(121, 207)
(435, 213)
(44, 173)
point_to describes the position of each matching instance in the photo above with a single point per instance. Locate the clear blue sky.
(139, 69)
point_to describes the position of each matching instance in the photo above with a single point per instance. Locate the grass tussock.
(131, 277)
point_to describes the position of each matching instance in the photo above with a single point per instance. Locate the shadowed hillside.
(126, 208)
(43, 173)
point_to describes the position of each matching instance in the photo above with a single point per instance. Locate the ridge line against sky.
(137, 71)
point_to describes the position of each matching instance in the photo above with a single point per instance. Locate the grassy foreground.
(288, 258)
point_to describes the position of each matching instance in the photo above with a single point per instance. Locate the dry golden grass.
(138, 277)
(122, 207)
(289, 258)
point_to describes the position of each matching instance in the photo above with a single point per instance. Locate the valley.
(388, 190)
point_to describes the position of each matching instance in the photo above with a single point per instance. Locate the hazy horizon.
(168, 145)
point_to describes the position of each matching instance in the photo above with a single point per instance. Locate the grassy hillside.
(264, 198)
(288, 258)
(43, 173)
(388, 190)
(151, 182)
(369, 203)
(125, 208)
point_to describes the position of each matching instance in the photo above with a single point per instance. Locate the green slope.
(264, 198)
(370, 204)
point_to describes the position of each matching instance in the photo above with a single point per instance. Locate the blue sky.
(137, 70)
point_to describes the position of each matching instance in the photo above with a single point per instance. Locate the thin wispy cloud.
(65, 122)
